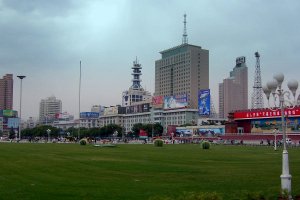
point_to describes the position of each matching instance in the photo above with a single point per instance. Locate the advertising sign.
(8, 113)
(176, 101)
(89, 115)
(13, 122)
(158, 101)
(140, 108)
(1, 124)
(110, 111)
(143, 134)
(121, 110)
(204, 102)
(268, 125)
(211, 131)
(265, 113)
(182, 132)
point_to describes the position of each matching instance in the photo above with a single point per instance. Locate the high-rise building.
(49, 107)
(182, 70)
(6, 92)
(233, 92)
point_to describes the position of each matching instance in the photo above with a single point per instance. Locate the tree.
(11, 133)
(158, 129)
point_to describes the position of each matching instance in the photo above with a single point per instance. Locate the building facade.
(182, 70)
(233, 91)
(49, 107)
(98, 108)
(164, 117)
(6, 92)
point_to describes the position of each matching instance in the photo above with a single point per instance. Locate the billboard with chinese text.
(140, 108)
(89, 115)
(265, 113)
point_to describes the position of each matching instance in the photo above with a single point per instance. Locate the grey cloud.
(41, 7)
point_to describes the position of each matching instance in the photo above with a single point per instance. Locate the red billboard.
(158, 101)
(265, 113)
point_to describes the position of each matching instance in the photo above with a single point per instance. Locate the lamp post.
(48, 132)
(21, 78)
(275, 140)
(282, 99)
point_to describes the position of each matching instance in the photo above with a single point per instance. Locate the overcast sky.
(45, 40)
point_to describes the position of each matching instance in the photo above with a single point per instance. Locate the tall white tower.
(136, 93)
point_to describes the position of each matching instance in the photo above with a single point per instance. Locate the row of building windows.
(175, 59)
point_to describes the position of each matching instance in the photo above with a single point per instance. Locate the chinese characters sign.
(265, 113)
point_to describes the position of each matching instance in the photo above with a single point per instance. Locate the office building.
(182, 70)
(233, 91)
(6, 92)
(49, 107)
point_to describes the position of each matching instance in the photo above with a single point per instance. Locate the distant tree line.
(110, 130)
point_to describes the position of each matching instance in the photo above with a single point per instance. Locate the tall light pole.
(79, 99)
(275, 141)
(20, 77)
(282, 100)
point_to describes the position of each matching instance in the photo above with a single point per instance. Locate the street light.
(20, 77)
(48, 132)
(275, 141)
(274, 89)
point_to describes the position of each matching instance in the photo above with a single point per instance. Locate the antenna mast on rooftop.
(184, 35)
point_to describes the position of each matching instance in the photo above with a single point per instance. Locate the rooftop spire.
(184, 35)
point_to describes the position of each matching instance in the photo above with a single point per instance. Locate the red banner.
(265, 113)
(143, 133)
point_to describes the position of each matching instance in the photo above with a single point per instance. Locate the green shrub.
(205, 145)
(246, 195)
(191, 196)
(200, 196)
(83, 142)
(158, 143)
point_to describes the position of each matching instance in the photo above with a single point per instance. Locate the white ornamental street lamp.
(282, 99)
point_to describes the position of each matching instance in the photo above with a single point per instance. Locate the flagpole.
(79, 99)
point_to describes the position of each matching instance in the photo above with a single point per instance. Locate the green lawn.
(71, 171)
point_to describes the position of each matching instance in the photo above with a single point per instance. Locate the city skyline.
(45, 41)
